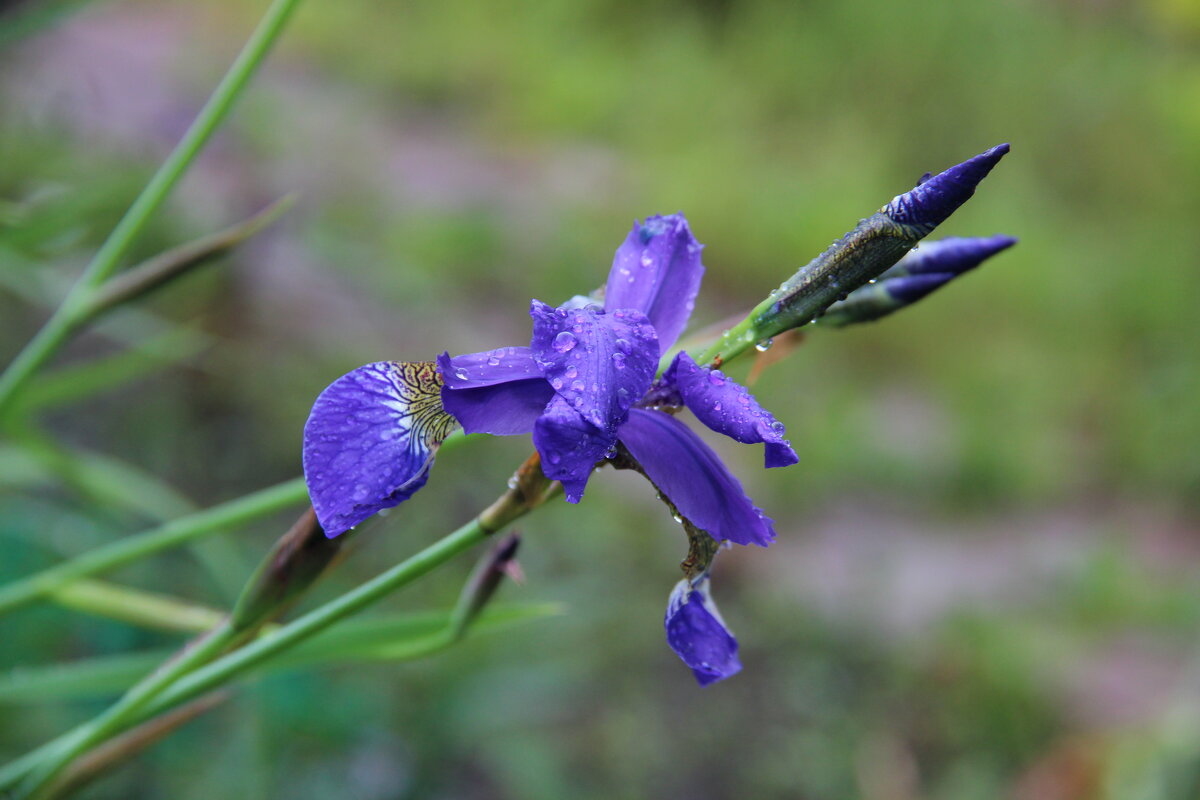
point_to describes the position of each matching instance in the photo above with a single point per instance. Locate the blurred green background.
(986, 579)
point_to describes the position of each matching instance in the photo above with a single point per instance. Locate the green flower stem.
(124, 712)
(122, 748)
(73, 311)
(131, 548)
(173, 684)
(735, 341)
(234, 664)
(528, 492)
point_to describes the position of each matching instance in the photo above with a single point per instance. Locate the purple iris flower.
(583, 387)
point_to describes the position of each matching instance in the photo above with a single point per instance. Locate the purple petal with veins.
(569, 446)
(688, 472)
(727, 407)
(501, 392)
(370, 440)
(657, 271)
(600, 363)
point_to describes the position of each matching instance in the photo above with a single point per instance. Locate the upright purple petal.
(697, 634)
(501, 392)
(569, 446)
(600, 363)
(727, 407)
(370, 440)
(688, 472)
(657, 271)
(933, 200)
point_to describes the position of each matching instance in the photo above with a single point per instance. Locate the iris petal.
(501, 392)
(601, 364)
(687, 471)
(727, 407)
(370, 440)
(657, 271)
(569, 446)
(697, 634)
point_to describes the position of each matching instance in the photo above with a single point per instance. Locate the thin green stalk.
(145, 609)
(733, 342)
(245, 658)
(185, 678)
(122, 713)
(74, 307)
(131, 548)
(529, 489)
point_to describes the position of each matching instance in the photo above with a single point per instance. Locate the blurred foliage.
(985, 584)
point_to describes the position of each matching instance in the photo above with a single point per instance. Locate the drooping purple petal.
(933, 200)
(569, 446)
(501, 392)
(600, 363)
(688, 472)
(370, 439)
(727, 407)
(657, 271)
(697, 634)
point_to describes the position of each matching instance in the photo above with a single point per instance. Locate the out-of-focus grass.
(457, 159)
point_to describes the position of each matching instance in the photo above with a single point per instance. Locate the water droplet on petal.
(778, 427)
(716, 406)
(571, 372)
(556, 383)
(764, 345)
(565, 341)
(493, 362)
(647, 260)
(578, 385)
(460, 373)
(623, 345)
(716, 377)
(618, 360)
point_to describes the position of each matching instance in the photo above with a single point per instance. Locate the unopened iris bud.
(875, 244)
(933, 200)
(499, 563)
(917, 274)
(292, 565)
(954, 255)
